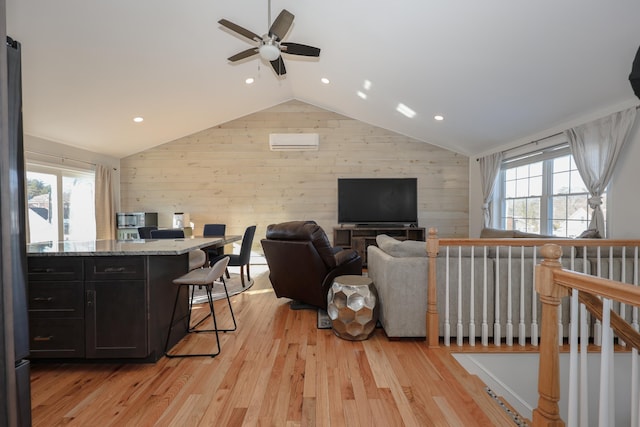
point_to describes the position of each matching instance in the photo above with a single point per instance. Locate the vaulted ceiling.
(499, 71)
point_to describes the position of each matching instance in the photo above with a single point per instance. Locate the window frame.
(60, 172)
(546, 156)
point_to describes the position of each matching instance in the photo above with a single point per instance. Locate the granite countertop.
(126, 247)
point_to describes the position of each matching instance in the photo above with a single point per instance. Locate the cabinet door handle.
(115, 269)
(44, 270)
(90, 298)
(40, 338)
(45, 299)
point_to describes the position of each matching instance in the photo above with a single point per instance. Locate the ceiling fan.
(270, 46)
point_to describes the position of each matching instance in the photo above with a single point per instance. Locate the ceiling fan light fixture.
(270, 52)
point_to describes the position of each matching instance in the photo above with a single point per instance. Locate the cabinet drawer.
(56, 299)
(54, 268)
(114, 268)
(53, 338)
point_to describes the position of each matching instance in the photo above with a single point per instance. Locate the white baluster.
(623, 279)
(459, 337)
(597, 327)
(534, 306)
(447, 324)
(606, 363)
(574, 392)
(634, 312)
(584, 366)
(522, 339)
(485, 324)
(497, 333)
(634, 388)
(509, 299)
(472, 301)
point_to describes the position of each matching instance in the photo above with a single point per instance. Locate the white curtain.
(489, 168)
(595, 147)
(105, 203)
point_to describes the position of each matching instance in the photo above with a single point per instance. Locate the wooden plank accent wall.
(227, 173)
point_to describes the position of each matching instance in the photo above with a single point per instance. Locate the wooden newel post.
(432, 290)
(548, 413)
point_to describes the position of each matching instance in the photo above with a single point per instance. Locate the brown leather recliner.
(302, 263)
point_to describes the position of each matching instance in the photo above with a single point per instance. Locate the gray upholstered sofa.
(399, 270)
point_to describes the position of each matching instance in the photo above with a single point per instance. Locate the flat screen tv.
(372, 201)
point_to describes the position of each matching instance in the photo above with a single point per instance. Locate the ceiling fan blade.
(281, 25)
(240, 30)
(299, 49)
(244, 54)
(278, 66)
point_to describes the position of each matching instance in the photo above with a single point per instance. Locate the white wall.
(623, 195)
(45, 151)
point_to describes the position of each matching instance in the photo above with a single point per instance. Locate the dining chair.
(214, 230)
(145, 232)
(197, 258)
(243, 258)
(207, 277)
(211, 230)
(168, 233)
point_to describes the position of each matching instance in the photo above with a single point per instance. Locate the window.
(543, 193)
(61, 203)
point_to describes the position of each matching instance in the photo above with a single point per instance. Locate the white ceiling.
(498, 70)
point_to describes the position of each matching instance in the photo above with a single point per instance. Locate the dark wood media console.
(359, 238)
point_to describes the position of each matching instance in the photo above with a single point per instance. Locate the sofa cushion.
(401, 249)
(494, 233)
(589, 234)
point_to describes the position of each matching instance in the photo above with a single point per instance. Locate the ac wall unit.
(294, 141)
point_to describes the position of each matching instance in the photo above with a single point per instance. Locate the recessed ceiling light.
(138, 119)
(403, 109)
(438, 118)
(325, 80)
(249, 80)
(367, 84)
(362, 94)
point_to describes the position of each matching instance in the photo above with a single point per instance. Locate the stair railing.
(552, 284)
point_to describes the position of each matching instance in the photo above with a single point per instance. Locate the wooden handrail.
(552, 284)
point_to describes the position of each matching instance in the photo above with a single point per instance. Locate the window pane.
(510, 189)
(42, 196)
(78, 208)
(522, 171)
(562, 164)
(522, 188)
(535, 168)
(577, 184)
(561, 183)
(535, 186)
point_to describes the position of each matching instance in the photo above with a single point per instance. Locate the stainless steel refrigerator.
(15, 401)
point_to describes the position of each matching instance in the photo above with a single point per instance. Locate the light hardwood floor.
(277, 369)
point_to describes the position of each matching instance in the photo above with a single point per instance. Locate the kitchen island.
(108, 299)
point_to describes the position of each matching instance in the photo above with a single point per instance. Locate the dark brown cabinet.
(115, 308)
(109, 307)
(359, 238)
(56, 307)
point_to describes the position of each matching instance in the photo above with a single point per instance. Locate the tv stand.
(361, 236)
(380, 226)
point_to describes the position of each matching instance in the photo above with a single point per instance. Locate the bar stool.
(201, 277)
